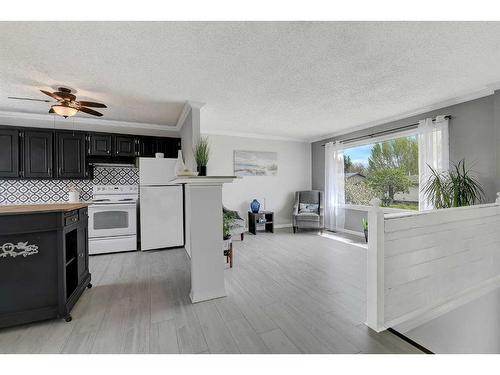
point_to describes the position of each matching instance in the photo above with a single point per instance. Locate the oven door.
(109, 220)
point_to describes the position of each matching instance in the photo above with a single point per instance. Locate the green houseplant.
(201, 155)
(454, 188)
(228, 221)
(364, 223)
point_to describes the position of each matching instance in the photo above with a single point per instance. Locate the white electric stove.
(113, 219)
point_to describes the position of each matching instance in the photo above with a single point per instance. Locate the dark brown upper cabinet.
(169, 146)
(37, 155)
(9, 153)
(71, 155)
(100, 144)
(147, 146)
(124, 145)
(48, 153)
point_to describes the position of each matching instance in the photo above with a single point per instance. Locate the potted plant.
(201, 154)
(227, 224)
(364, 223)
(454, 188)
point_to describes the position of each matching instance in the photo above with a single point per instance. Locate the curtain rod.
(383, 132)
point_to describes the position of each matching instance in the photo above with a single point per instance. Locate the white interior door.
(162, 219)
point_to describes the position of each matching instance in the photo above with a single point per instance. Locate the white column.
(204, 244)
(375, 288)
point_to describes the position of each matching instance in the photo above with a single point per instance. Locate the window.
(387, 170)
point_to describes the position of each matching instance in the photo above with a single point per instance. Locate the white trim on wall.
(252, 135)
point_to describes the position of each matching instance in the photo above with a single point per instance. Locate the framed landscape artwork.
(255, 163)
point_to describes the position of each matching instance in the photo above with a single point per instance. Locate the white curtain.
(434, 151)
(334, 186)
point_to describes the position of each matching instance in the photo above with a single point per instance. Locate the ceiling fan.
(67, 105)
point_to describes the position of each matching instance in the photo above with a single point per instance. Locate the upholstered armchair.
(239, 223)
(308, 210)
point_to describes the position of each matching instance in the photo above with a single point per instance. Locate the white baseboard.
(277, 226)
(419, 317)
(348, 231)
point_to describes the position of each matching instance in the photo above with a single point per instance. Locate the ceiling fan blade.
(90, 111)
(91, 104)
(31, 99)
(52, 95)
(65, 95)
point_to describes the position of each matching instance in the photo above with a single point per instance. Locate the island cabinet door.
(28, 277)
(83, 253)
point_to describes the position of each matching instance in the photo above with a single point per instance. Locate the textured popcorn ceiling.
(292, 79)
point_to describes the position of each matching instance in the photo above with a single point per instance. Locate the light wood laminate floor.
(287, 293)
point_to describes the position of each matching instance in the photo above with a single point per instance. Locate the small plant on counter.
(201, 155)
(364, 223)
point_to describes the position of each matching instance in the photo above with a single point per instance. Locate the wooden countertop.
(40, 208)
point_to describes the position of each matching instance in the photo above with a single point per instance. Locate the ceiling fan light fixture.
(64, 110)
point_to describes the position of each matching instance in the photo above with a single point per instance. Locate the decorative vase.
(179, 165)
(202, 170)
(366, 235)
(255, 206)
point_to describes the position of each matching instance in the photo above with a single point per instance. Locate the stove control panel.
(115, 189)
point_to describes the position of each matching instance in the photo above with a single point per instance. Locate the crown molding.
(183, 115)
(253, 135)
(86, 121)
(195, 104)
(487, 91)
(189, 105)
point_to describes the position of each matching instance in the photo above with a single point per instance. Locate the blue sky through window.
(359, 154)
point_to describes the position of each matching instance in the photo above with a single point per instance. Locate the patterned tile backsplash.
(50, 191)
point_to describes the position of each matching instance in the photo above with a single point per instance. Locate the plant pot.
(366, 234)
(227, 243)
(202, 170)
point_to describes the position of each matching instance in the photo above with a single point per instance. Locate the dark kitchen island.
(44, 265)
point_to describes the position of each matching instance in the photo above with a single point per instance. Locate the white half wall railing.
(423, 264)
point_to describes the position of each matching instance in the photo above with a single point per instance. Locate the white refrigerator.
(161, 205)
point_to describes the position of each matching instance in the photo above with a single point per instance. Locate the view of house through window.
(387, 170)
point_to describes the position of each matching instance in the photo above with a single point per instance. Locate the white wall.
(294, 173)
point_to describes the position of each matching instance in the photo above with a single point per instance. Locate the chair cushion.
(308, 207)
(307, 216)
